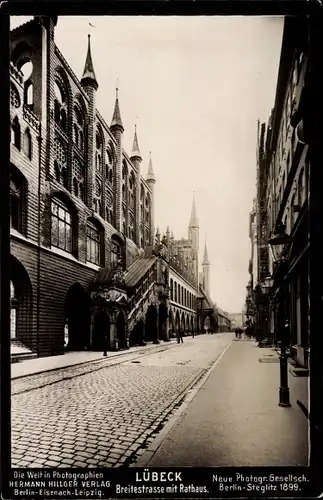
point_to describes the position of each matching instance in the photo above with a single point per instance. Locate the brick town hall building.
(88, 268)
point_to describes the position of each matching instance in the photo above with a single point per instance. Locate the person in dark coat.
(180, 335)
(236, 331)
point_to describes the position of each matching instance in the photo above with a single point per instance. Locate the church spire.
(135, 147)
(88, 73)
(150, 175)
(205, 258)
(193, 221)
(116, 119)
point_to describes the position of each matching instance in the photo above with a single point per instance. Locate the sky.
(195, 87)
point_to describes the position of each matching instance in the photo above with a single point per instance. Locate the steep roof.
(116, 119)
(88, 73)
(193, 221)
(137, 269)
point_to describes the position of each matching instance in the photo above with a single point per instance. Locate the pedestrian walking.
(236, 331)
(180, 336)
(192, 334)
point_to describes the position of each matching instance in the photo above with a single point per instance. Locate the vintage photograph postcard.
(162, 182)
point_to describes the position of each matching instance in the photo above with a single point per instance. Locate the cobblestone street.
(105, 413)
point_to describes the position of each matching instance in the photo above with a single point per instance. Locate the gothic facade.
(87, 269)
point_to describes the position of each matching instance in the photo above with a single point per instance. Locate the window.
(60, 105)
(175, 289)
(93, 244)
(98, 155)
(171, 289)
(131, 191)
(29, 94)
(60, 164)
(61, 228)
(15, 133)
(26, 67)
(78, 128)
(16, 202)
(78, 178)
(27, 143)
(116, 250)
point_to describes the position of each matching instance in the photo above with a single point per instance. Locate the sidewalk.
(73, 358)
(234, 418)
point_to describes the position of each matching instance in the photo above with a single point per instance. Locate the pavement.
(232, 418)
(73, 358)
(90, 411)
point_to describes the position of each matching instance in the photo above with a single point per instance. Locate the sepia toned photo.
(159, 246)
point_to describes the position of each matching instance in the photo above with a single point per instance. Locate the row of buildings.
(281, 204)
(89, 269)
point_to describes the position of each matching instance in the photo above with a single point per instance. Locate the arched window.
(78, 178)
(61, 226)
(27, 143)
(98, 197)
(99, 151)
(26, 67)
(78, 128)
(132, 190)
(117, 250)
(15, 133)
(60, 104)
(94, 243)
(17, 200)
(60, 163)
(29, 94)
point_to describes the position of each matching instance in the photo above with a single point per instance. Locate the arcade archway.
(162, 322)
(121, 331)
(151, 324)
(137, 334)
(101, 332)
(77, 317)
(20, 304)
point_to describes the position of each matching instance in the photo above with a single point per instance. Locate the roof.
(135, 147)
(205, 258)
(88, 73)
(193, 221)
(116, 119)
(137, 269)
(150, 175)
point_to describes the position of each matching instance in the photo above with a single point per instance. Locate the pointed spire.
(135, 147)
(88, 73)
(167, 231)
(193, 221)
(150, 175)
(116, 119)
(205, 258)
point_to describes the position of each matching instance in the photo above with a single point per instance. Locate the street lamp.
(278, 244)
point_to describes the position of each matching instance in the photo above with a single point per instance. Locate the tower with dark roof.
(136, 160)
(151, 181)
(90, 85)
(117, 130)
